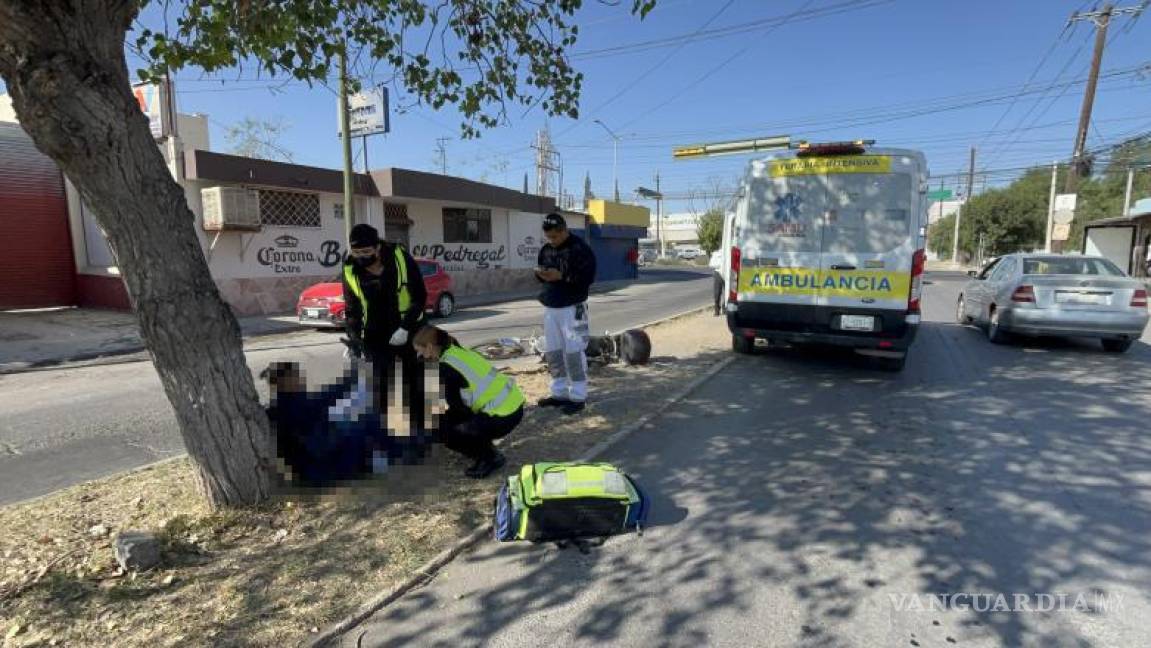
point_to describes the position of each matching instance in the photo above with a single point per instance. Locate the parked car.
(1072, 296)
(687, 253)
(322, 305)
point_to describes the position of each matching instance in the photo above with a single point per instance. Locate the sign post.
(360, 115)
(1062, 216)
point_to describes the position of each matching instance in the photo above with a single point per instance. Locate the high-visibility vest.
(404, 297)
(488, 390)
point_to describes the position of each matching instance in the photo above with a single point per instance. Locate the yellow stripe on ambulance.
(830, 165)
(860, 284)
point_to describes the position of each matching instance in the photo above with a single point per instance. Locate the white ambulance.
(826, 246)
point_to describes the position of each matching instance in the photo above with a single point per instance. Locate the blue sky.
(879, 70)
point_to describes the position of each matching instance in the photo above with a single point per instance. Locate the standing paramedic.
(384, 299)
(566, 268)
(483, 404)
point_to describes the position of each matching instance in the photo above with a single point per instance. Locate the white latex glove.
(399, 338)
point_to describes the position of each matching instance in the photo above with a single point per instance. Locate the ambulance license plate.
(856, 322)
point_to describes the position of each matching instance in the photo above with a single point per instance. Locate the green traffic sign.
(939, 194)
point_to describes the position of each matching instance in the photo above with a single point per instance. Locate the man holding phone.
(566, 268)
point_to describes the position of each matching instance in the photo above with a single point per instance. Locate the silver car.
(1044, 294)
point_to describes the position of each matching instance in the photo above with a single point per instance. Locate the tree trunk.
(64, 66)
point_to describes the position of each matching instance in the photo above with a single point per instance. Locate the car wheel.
(741, 344)
(995, 332)
(445, 305)
(961, 312)
(1116, 346)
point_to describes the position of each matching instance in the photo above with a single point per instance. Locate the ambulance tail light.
(733, 280)
(858, 147)
(918, 263)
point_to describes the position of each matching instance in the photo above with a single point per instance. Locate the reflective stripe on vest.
(488, 390)
(403, 296)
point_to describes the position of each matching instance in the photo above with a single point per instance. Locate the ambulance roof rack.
(856, 147)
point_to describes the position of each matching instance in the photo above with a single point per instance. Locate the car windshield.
(1070, 266)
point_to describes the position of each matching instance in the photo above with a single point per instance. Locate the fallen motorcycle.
(632, 347)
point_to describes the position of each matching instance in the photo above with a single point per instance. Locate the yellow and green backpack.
(561, 501)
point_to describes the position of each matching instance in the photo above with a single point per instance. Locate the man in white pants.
(566, 268)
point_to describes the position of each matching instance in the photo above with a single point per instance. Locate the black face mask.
(364, 262)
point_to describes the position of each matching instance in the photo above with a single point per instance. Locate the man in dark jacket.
(384, 297)
(566, 268)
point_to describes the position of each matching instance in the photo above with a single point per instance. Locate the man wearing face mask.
(384, 298)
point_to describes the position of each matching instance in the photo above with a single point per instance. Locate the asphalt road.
(65, 426)
(802, 498)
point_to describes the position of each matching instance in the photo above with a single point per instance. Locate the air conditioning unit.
(230, 208)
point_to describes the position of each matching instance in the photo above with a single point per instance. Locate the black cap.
(363, 235)
(554, 222)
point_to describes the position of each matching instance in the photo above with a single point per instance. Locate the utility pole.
(658, 215)
(346, 135)
(367, 171)
(963, 208)
(1051, 207)
(442, 153)
(1102, 20)
(1127, 193)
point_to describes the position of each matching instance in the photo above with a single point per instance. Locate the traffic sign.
(1061, 232)
(1064, 209)
(939, 194)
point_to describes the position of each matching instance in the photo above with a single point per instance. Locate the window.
(989, 268)
(1004, 270)
(427, 268)
(467, 225)
(289, 209)
(1071, 266)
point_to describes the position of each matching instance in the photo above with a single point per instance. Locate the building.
(612, 230)
(676, 230)
(942, 209)
(268, 229)
(1125, 240)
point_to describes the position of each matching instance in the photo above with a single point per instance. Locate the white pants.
(565, 339)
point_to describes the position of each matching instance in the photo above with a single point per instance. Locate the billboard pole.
(346, 136)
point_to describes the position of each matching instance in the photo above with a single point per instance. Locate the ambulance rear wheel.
(741, 344)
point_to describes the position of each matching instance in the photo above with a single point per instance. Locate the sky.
(1005, 76)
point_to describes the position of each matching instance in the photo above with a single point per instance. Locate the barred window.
(289, 208)
(467, 225)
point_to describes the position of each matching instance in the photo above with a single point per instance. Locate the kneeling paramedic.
(483, 404)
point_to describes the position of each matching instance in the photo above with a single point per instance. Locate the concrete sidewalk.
(34, 339)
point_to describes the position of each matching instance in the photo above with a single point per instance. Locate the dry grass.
(270, 577)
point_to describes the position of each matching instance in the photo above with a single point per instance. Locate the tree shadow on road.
(821, 491)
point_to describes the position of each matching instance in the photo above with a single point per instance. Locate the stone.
(98, 531)
(137, 550)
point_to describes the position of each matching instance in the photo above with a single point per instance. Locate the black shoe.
(552, 401)
(484, 467)
(572, 407)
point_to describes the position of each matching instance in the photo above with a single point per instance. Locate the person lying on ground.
(482, 403)
(323, 436)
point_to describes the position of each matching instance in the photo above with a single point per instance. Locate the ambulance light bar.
(730, 148)
(833, 148)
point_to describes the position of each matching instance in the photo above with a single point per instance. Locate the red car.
(322, 305)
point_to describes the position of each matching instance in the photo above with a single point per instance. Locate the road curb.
(430, 569)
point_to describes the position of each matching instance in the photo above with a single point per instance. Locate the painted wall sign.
(287, 257)
(457, 257)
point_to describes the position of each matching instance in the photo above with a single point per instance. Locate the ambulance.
(825, 245)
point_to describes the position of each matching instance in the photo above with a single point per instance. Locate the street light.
(614, 157)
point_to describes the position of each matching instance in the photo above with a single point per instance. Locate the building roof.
(385, 183)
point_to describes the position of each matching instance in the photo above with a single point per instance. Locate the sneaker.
(484, 467)
(572, 407)
(552, 401)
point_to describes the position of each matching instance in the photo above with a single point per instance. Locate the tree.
(64, 65)
(940, 237)
(709, 230)
(258, 138)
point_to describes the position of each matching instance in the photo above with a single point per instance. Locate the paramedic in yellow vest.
(384, 299)
(482, 403)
